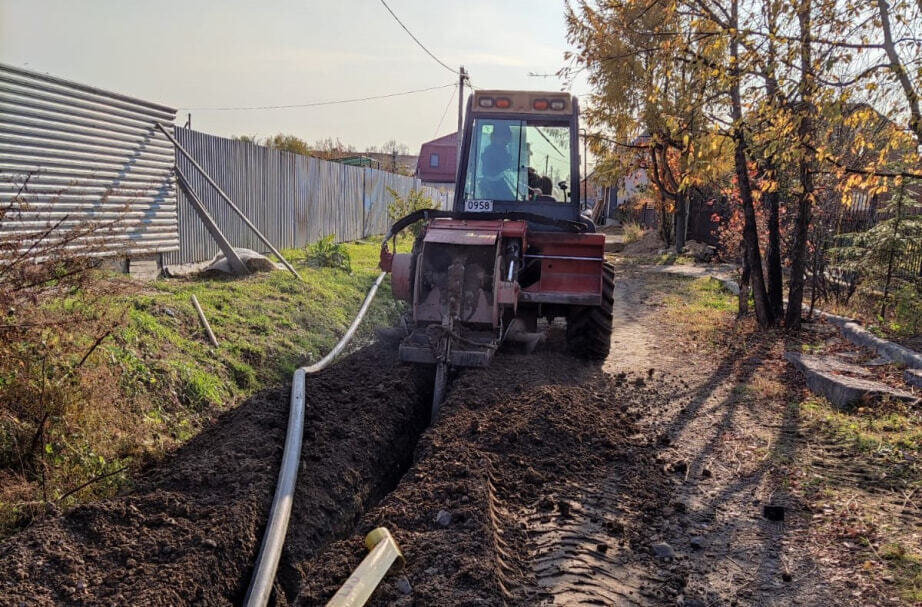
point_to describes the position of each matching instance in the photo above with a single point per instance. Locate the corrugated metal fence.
(292, 199)
(84, 160)
(79, 159)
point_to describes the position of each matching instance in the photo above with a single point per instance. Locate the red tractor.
(513, 249)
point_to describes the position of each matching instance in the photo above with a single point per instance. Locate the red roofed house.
(436, 164)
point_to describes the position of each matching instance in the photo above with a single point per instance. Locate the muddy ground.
(546, 480)
(188, 534)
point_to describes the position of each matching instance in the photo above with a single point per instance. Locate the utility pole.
(585, 198)
(462, 76)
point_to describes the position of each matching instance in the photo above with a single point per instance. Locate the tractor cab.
(520, 153)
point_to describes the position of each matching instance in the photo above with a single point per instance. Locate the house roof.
(446, 148)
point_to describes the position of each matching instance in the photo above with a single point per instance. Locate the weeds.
(326, 253)
(153, 381)
(403, 206)
(633, 232)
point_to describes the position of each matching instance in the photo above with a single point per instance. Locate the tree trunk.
(750, 230)
(744, 284)
(807, 168)
(773, 276)
(681, 221)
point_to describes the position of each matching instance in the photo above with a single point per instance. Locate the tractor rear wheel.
(589, 328)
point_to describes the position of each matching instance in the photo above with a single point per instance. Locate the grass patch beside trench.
(156, 381)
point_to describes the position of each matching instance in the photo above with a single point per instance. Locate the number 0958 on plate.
(478, 206)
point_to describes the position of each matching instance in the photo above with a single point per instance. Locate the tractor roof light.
(485, 102)
(540, 104)
(558, 104)
(503, 103)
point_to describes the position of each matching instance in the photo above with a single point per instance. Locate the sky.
(193, 55)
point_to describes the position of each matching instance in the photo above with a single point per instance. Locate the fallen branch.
(90, 482)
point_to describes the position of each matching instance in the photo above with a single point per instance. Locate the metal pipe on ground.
(280, 512)
(382, 553)
(230, 202)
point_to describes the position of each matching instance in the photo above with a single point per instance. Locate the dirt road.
(546, 480)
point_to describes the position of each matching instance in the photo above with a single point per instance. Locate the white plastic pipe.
(276, 528)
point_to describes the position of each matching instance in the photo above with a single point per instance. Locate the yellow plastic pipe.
(383, 551)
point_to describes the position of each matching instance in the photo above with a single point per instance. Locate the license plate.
(478, 206)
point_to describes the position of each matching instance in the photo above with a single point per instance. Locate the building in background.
(402, 164)
(436, 164)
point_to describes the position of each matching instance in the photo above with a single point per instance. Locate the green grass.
(156, 381)
(703, 308)
(906, 567)
(897, 432)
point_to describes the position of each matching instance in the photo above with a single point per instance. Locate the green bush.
(326, 253)
(401, 207)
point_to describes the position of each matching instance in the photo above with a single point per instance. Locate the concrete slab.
(824, 377)
(913, 377)
(144, 268)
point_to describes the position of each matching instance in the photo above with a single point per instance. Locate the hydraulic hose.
(277, 526)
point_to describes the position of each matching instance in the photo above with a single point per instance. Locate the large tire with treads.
(589, 328)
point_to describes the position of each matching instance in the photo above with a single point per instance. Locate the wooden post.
(201, 317)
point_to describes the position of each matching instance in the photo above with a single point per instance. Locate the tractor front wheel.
(589, 328)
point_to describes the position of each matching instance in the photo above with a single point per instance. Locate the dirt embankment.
(188, 534)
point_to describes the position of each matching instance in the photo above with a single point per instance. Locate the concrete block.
(913, 377)
(824, 377)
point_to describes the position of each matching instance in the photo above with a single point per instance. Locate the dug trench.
(517, 446)
(189, 531)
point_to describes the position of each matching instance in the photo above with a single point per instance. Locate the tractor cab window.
(518, 160)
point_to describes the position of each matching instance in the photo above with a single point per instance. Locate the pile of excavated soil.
(190, 531)
(510, 439)
(650, 242)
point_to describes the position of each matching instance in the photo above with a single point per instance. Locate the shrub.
(632, 232)
(327, 253)
(401, 207)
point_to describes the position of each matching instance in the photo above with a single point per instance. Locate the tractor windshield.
(518, 160)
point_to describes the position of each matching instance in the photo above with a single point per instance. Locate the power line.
(445, 112)
(416, 40)
(319, 103)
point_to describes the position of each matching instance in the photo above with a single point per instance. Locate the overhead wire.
(445, 111)
(416, 40)
(319, 103)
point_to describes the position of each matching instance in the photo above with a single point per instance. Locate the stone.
(913, 377)
(824, 377)
(443, 518)
(662, 550)
(564, 508)
(403, 585)
(210, 543)
(699, 250)
(773, 513)
(860, 336)
(251, 259)
(697, 542)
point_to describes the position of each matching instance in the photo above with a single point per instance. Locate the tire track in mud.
(579, 560)
(587, 557)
